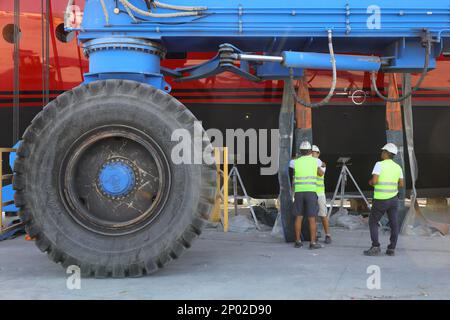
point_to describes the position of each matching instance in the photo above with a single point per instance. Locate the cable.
(105, 11)
(130, 6)
(67, 14)
(333, 84)
(130, 14)
(181, 8)
(416, 87)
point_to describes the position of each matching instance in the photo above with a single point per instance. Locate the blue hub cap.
(116, 179)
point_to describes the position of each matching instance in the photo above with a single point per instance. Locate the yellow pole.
(215, 216)
(225, 189)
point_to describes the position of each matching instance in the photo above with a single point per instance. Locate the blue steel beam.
(293, 19)
(121, 36)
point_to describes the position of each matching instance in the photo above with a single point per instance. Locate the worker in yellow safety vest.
(306, 169)
(387, 178)
(322, 199)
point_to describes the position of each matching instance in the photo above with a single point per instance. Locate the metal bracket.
(222, 62)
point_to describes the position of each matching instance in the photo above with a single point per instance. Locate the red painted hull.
(228, 101)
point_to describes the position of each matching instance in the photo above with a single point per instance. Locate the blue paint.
(12, 155)
(269, 18)
(116, 179)
(312, 60)
(392, 30)
(7, 191)
(8, 195)
(125, 58)
(275, 71)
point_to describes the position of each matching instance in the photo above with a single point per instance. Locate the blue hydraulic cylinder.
(314, 60)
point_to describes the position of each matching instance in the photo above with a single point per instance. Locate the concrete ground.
(251, 265)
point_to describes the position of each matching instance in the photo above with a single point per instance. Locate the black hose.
(416, 87)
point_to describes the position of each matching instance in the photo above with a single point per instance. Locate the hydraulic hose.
(180, 8)
(130, 6)
(67, 13)
(128, 10)
(105, 11)
(333, 84)
(416, 87)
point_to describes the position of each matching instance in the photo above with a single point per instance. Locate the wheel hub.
(107, 192)
(116, 178)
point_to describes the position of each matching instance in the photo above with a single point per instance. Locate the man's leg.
(312, 229)
(375, 216)
(326, 226)
(298, 210)
(378, 209)
(392, 213)
(322, 203)
(311, 210)
(298, 227)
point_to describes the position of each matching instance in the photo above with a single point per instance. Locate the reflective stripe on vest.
(305, 174)
(320, 181)
(387, 186)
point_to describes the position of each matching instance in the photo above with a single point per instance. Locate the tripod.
(235, 175)
(342, 181)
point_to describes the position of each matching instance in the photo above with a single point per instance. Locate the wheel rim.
(114, 180)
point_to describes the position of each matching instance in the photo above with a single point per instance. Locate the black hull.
(357, 132)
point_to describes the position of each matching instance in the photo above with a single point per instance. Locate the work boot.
(327, 239)
(313, 246)
(373, 251)
(298, 244)
(390, 252)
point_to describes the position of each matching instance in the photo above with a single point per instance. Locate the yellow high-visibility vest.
(387, 186)
(320, 185)
(305, 174)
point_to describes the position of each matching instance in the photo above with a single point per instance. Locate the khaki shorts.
(322, 202)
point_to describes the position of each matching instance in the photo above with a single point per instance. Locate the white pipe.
(126, 3)
(254, 57)
(67, 13)
(181, 8)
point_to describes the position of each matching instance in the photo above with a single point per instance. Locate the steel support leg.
(303, 119)
(409, 133)
(414, 210)
(394, 134)
(286, 127)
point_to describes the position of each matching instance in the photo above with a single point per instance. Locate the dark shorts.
(305, 204)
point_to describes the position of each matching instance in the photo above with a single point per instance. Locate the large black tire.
(42, 204)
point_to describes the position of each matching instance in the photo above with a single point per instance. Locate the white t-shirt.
(377, 170)
(319, 165)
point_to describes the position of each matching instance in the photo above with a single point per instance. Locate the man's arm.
(321, 168)
(374, 180)
(375, 174)
(401, 183)
(320, 173)
(291, 164)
